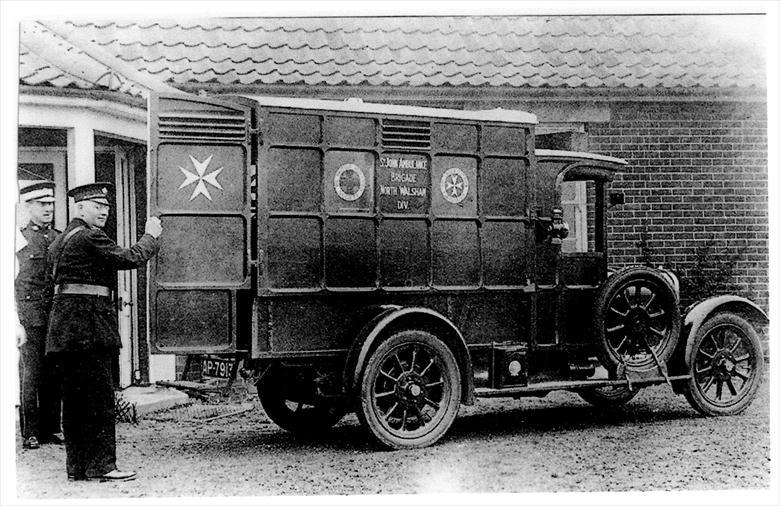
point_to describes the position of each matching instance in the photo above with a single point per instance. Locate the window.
(574, 203)
(578, 201)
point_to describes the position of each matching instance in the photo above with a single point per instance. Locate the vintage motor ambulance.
(400, 261)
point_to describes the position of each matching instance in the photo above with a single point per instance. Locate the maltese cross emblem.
(200, 177)
(454, 185)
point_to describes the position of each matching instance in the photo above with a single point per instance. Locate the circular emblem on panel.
(349, 182)
(454, 185)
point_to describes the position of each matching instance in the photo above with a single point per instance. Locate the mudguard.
(698, 313)
(410, 317)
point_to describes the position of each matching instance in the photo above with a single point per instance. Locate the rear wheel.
(410, 390)
(289, 399)
(608, 396)
(726, 364)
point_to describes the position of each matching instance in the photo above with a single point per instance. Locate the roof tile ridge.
(159, 24)
(54, 65)
(272, 70)
(64, 72)
(105, 59)
(85, 24)
(198, 60)
(225, 45)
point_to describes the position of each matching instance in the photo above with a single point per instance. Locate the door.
(576, 266)
(200, 154)
(111, 164)
(126, 280)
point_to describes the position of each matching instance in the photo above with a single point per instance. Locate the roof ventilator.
(405, 134)
(200, 126)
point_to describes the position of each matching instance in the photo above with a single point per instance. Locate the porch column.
(81, 157)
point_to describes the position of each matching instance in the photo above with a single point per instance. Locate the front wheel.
(726, 364)
(410, 390)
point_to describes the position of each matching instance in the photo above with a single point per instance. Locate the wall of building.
(696, 192)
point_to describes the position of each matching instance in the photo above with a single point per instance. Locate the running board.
(549, 386)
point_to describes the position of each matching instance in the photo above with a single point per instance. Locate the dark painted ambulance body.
(337, 249)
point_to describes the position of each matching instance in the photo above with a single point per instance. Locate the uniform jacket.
(87, 322)
(34, 286)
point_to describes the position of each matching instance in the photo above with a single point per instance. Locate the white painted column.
(81, 158)
(81, 155)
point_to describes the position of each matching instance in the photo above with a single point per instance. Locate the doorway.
(115, 164)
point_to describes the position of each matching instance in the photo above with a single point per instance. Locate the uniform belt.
(82, 289)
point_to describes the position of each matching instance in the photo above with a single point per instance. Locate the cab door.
(572, 269)
(200, 152)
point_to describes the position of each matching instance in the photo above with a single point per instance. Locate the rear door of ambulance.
(200, 153)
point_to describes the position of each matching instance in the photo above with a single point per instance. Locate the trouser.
(39, 384)
(88, 416)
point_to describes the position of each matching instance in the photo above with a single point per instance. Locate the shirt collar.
(80, 223)
(39, 228)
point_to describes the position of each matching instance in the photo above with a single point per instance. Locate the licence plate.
(216, 367)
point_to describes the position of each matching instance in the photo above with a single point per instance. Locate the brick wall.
(194, 373)
(697, 184)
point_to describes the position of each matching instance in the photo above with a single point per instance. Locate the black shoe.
(115, 475)
(53, 439)
(73, 477)
(31, 443)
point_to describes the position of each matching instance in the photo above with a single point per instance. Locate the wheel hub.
(637, 322)
(724, 364)
(410, 388)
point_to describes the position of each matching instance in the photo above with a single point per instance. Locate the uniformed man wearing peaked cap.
(83, 330)
(39, 388)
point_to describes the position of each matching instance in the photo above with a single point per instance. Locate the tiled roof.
(517, 52)
(46, 58)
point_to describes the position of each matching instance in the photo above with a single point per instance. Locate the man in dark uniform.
(39, 387)
(83, 329)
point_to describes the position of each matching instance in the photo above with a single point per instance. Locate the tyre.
(410, 390)
(606, 397)
(283, 395)
(726, 366)
(637, 320)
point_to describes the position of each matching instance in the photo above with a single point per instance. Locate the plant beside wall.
(709, 273)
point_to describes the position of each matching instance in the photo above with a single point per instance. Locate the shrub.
(710, 272)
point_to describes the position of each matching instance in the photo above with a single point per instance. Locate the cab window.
(577, 203)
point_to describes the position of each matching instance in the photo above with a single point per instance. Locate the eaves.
(493, 95)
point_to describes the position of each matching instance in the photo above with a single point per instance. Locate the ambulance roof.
(554, 153)
(357, 105)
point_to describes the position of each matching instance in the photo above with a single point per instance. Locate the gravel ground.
(557, 443)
